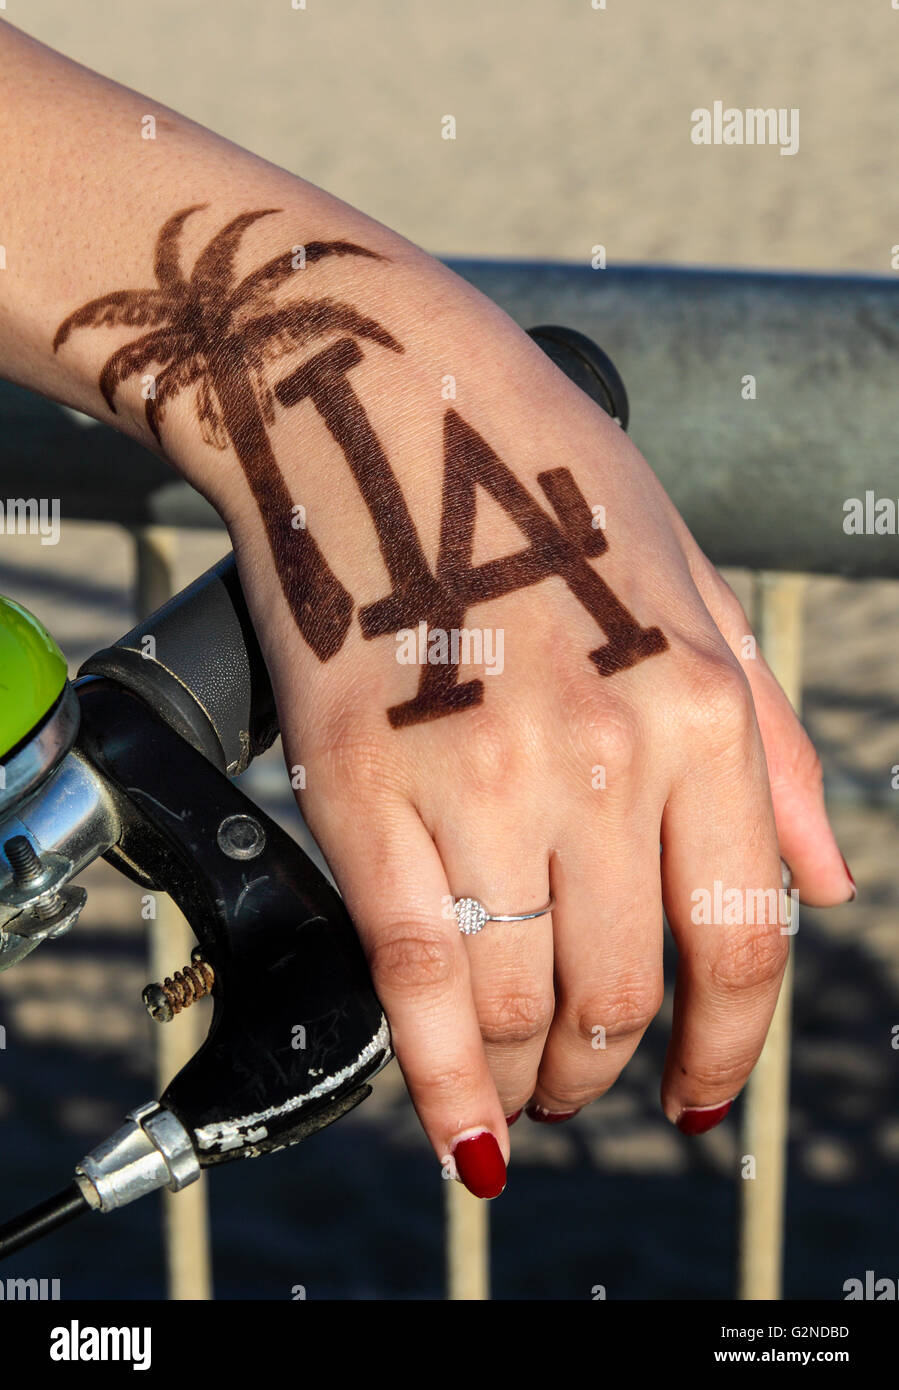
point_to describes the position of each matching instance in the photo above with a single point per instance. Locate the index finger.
(396, 891)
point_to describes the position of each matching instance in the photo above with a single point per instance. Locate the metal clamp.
(153, 1150)
(25, 769)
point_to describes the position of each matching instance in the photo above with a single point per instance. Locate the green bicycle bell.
(32, 674)
(38, 708)
(39, 719)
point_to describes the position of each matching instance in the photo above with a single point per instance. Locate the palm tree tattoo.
(219, 335)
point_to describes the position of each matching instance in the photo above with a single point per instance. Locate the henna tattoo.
(442, 600)
(219, 336)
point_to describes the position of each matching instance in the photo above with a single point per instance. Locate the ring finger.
(511, 963)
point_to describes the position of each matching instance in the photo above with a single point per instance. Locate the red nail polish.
(851, 879)
(698, 1119)
(480, 1165)
(549, 1117)
(510, 1119)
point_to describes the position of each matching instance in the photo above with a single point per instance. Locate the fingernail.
(510, 1119)
(549, 1117)
(851, 880)
(480, 1165)
(696, 1119)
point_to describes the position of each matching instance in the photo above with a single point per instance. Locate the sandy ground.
(573, 128)
(573, 123)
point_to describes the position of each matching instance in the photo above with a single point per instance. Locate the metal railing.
(763, 401)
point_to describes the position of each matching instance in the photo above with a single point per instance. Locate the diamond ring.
(473, 916)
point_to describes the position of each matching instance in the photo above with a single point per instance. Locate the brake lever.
(296, 1030)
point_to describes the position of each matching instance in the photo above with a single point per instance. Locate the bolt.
(178, 992)
(27, 869)
(241, 837)
(158, 1004)
(24, 862)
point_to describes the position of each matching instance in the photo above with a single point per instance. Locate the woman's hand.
(601, 722)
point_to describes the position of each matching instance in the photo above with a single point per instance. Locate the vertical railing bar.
(777, 620)
(467, 1243)
(185, 1214)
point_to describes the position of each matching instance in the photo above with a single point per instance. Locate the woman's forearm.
(164, 280)
(92, 175)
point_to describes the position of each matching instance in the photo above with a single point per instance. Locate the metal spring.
(179, 991)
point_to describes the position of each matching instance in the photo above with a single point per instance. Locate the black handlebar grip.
(196, 661)
(587, 366)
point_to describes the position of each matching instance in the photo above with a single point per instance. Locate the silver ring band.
(472, 916)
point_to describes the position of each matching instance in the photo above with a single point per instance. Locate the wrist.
(391, 326)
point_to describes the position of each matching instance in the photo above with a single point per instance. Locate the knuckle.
(569, 1094)
(516, 1017)
(800, 764)
(492, 752)
(601, 726)
(750, 958)
(615, 742)
(444, 1086)
(628, 1010)
(412, 963)
(717, 1076)
(718, 701)
(351, 754)
(726, 599)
